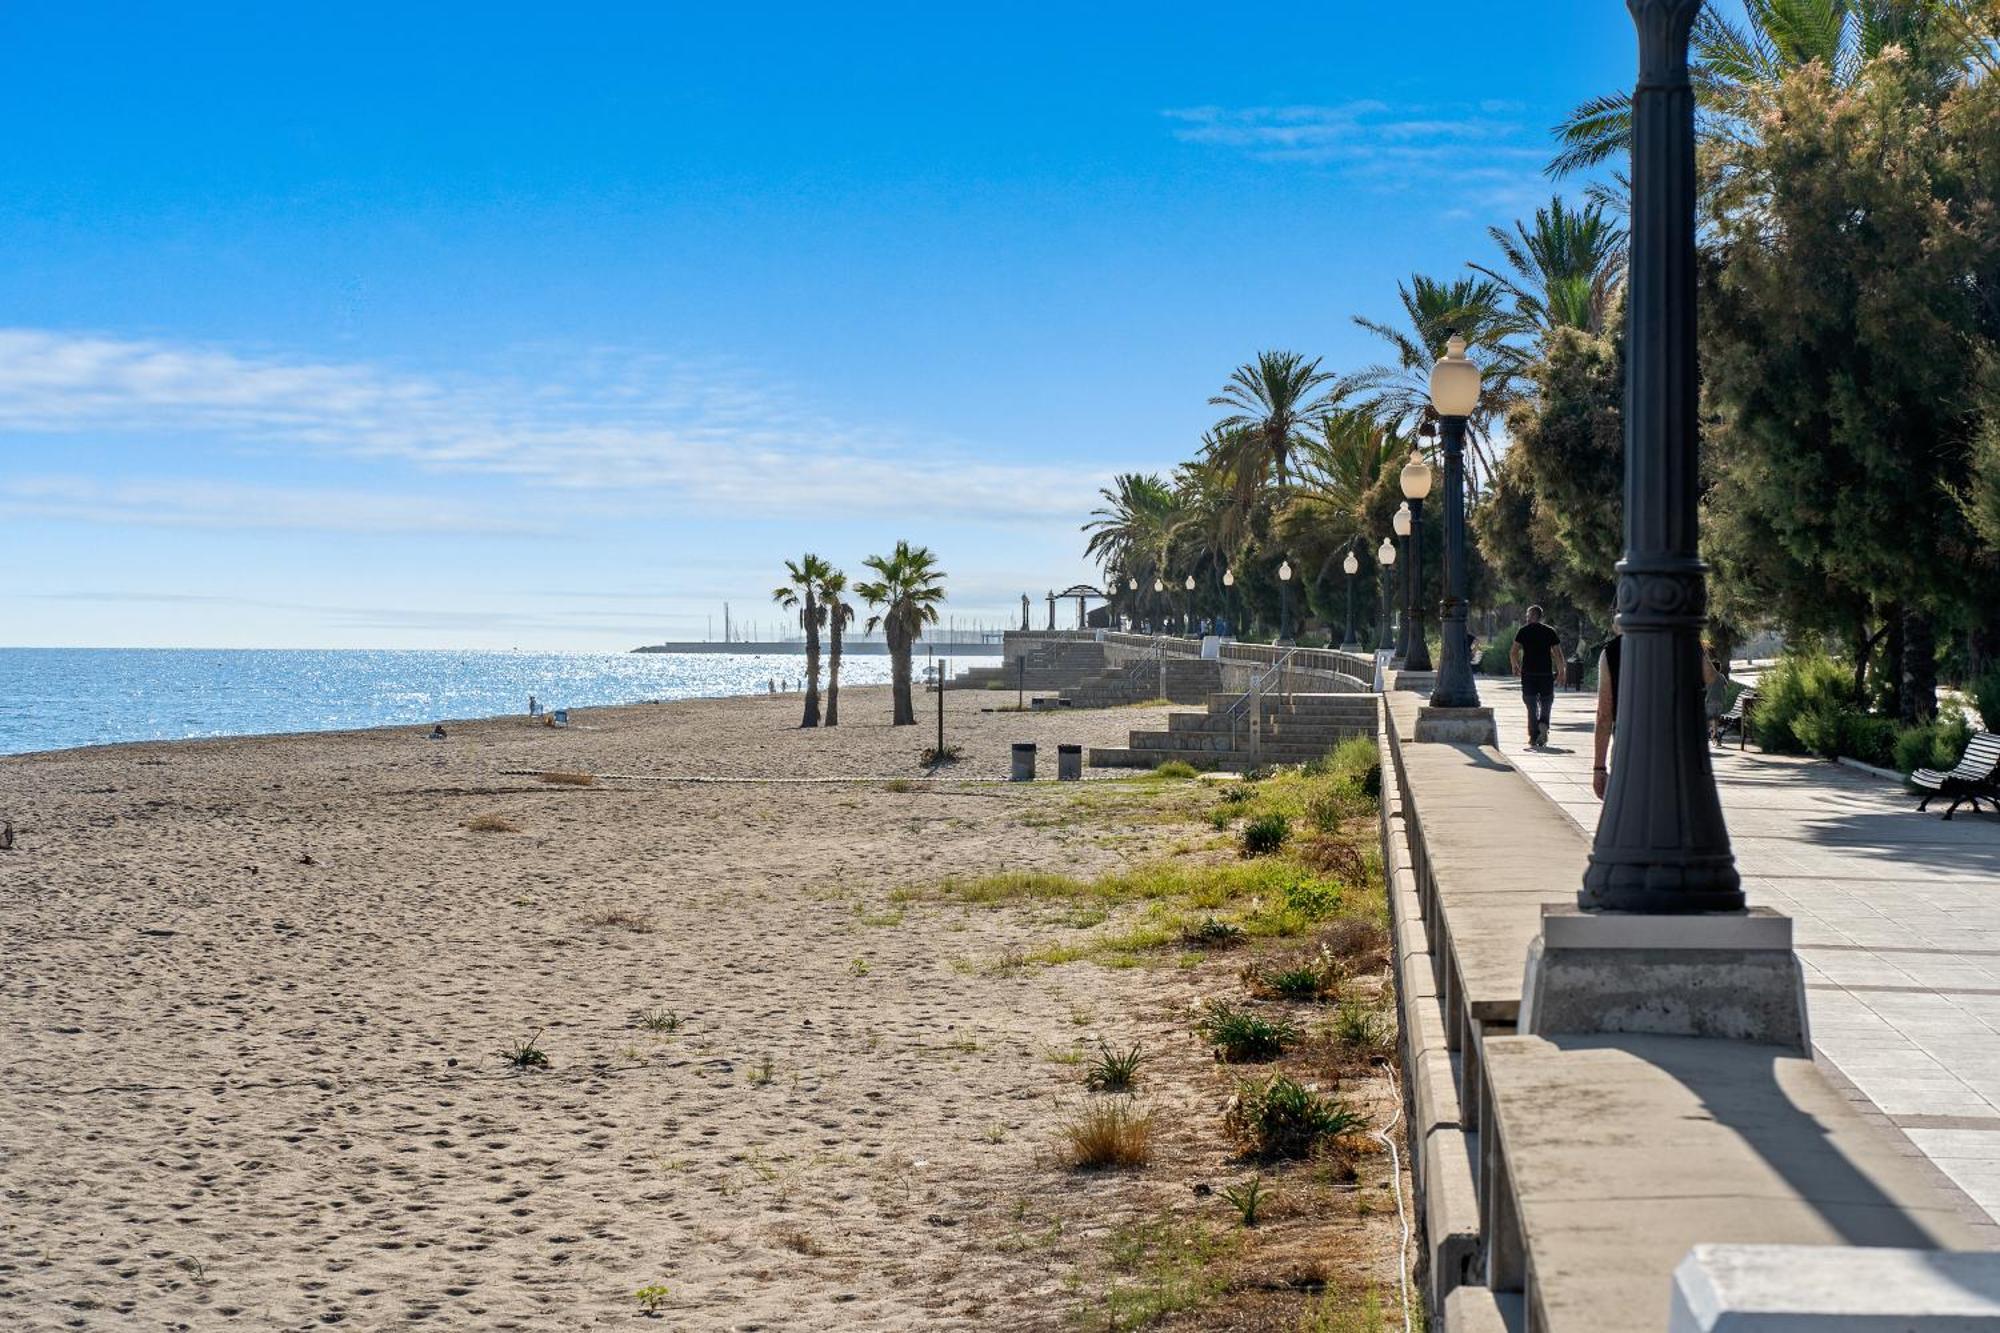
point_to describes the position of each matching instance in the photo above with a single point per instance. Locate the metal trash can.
(1024, 762)
(1069, 763)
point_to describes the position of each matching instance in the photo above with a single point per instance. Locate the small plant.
(1113, 1071)
(621, 918)
(1266, 834)
(1175, 768)
(934, 756)
(859, 967)
(995, 1133)
(492, 824)
(527, 1054)
(1362, 1026)
(651, 1297)
(762, 1075)
(1109, 1134)
(1281, 1117)
(1239, 1035)
(1307, 979)
(901, 785)
(568, 779)
(1246, 1199)
(1212, 933)
(660, 1020)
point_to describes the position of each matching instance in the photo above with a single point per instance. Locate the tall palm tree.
(908, 587)
(1342, 464)
(1565, 271)
(1400, 392)
(1129, 532)
(1956, 39)
(800, 593)
(839, 614)
(1271, 400)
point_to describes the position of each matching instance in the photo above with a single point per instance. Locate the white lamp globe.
(1454, 382)
(1386, 552)
(1228, 578)
(1159, 586)
(1132, 584)
(1416, 477)
(1190, 583)
(1401, 522)
(1285, 571)
(1351, 565)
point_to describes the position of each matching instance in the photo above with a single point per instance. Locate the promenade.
(1896, 917)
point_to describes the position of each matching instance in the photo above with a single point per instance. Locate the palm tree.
(801, 593)
(1565, 271)
(1401, 392)
(1272, 399)
(839, 614)
(1342, 464)
(1956, 40)
(1129, 532)
(908, 587)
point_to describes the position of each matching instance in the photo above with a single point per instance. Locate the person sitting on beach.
(534, 708)
(437, 732)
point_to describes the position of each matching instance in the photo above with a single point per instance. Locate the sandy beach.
(260, 993)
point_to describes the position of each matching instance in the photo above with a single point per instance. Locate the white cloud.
(227, 505)
(1433, 144)
(693, 437)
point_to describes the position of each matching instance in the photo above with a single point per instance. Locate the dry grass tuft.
(492, 824)
(568, 779)
(1109, 1133)
(622, 918)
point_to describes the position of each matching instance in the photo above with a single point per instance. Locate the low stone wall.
(1560, 1180)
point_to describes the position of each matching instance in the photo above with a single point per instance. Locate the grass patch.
(492, 824)
(559, 779)
(1240, 1035)
(1163, 1266)
(1175, 768)
(1108, 1135)
(1280, 1117)
(1212, 932)
(933, 756)
(1114, 1071)
(1247, 1199)
(902, 785)
(1364, 1028)
(1314, 977)
(622, 918)
(1266, 834)
(660, 1020)
(527, 1054)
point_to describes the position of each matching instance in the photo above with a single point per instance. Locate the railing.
(1359, 666)
(1252, 702)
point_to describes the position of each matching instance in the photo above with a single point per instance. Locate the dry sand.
(257, 992)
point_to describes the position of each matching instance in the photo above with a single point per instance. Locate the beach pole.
(940, 740)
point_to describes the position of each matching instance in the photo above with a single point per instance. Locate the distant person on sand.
(437, 731)
(1535, 656)
(534, 708)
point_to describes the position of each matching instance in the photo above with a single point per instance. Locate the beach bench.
(1737, 718)
(1972, 780)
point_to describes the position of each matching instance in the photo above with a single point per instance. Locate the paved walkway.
(1896, 916)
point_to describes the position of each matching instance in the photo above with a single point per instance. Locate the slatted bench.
(1972, 781)
(1738, 718)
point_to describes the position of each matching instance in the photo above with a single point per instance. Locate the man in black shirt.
(1535, 656)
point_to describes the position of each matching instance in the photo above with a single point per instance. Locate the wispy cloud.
(694, 437)
(1461, 147)
(227, 505)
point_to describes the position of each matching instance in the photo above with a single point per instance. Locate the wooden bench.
(1737, 717)
(1972, 780)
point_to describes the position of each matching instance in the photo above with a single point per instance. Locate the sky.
(557, 327)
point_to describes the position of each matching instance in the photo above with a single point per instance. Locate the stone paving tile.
(1896, 916)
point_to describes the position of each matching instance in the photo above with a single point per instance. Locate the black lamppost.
(1190, 606)
(1399, 523)
(1661, 844)
(1228, 582)
(1285, 602)
(1454, 393)
(1385, 556)
(1159, 605)
(1132, 586)
(1416, 479)
(1350, 566)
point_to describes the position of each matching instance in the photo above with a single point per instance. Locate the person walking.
(1535, 658)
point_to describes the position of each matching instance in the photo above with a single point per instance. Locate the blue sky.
(556, 326)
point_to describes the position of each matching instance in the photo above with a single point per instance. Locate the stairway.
(1050, 666)
(1189, 680)
(1297, 728)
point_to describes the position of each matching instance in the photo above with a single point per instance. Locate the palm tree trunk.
(905, 714)
(833, 666)
(811, 618)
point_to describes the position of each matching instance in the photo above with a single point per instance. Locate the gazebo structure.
(1083, 592)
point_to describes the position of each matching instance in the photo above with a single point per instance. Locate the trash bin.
(1024, 762)
(1574, 667)
(1069, 763)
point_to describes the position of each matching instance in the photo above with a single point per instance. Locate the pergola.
(1083, 592)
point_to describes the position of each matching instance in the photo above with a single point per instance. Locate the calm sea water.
(55, 698)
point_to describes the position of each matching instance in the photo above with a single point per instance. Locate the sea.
(58, 698)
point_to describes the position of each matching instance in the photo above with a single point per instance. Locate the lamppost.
(1229, 581)
(1416, 481)
(1385, 555)
(1190, 606)
(1350, 566)
(1454, 393)
(1661, 844)
(1159, 605)
(1399, 523)
(1285, 602)
(1132, 586)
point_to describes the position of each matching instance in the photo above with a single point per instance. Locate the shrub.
(527, 1054)
(1212, 932)
(1937, 744)
(651, 1297)
(1246, 1199)
(1281, 1117)
(1872, 740)
(1986, 698)
(1175, 768)
(1363, 1026)
(1266, 834)
(1239, 1035)
(1113, 1071)
(1305, 979)
(1801, 684)
(1108, 1134)
(1313, 899)
(1494, 658)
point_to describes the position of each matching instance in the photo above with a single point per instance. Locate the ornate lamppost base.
(1457, 726)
